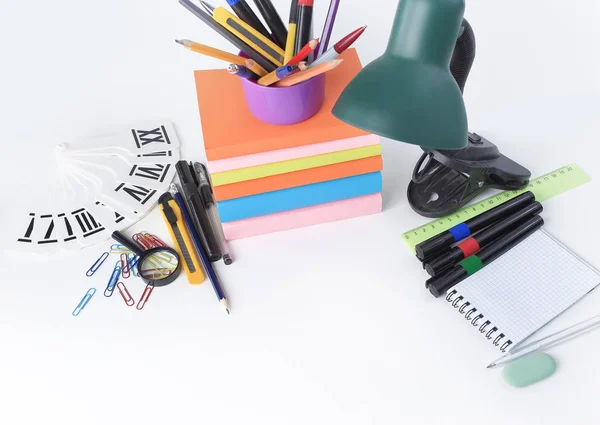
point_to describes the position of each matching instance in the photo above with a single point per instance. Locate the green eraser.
(529, 370)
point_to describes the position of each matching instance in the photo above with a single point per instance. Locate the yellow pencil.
(256, 68)
(276, 75)
(308, 74)
(250, 36)
(212, 52)
(290, 45)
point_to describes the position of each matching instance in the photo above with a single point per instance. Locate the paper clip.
(133, 264)
(84, 301)
(125, 271)
(114, 278)
(125, 294)
(142, 241)
(145, 295)
(156, 241)
(119, 249)
(97, 265)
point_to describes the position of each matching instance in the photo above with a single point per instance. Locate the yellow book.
(283, 167)
(250, 36)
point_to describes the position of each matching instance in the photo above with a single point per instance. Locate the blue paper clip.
(84, 301)
(133, 264)
(97, 265)
(114, 278)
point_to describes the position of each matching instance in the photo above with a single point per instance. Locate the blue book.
(299, 197)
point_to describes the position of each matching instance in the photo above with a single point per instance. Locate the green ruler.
(544, 188)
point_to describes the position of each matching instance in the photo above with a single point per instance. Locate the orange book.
(298, 178)
(230, 129)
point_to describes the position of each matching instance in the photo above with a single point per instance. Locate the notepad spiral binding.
(485, 326)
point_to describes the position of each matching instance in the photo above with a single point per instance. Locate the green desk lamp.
(413, 93)
(409, 94)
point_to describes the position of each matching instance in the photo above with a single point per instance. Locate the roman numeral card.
(109, 184)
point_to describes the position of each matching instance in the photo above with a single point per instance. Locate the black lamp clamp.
(445, 180)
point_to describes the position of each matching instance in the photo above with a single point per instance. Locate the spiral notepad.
(520, 292)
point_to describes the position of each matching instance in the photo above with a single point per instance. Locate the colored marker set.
(271, 178)
(463, 250)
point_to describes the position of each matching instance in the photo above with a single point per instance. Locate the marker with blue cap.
(444, 241)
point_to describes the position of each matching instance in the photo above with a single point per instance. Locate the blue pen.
(241, 71)
(214, 280)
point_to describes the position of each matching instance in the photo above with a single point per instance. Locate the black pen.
(197, 210)
(246, 14)
(214, 280)
(273, 20)
(206, 192)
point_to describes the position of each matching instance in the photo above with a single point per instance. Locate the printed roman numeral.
(86, 222)
(145, 137)
(29, 231)
(49, 236)
(156, 172)
(158, 153)
(68, 227)
(118, 217)
(139, 193)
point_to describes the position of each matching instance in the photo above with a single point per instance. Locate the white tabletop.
(329, 324)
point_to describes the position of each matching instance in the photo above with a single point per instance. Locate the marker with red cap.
(339, 47)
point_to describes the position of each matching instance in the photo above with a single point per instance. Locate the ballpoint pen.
(206, 192)
(547, 342)
(197, 210)
(214, 280)
(273, 20)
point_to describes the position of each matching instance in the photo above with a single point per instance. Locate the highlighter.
(250, 36)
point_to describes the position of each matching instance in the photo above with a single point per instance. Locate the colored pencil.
(328, 27)
(290, 44)
(309, 73)
(256, 68)
(304, 52)
(339, 47)
(276, 75)
(246, 14)
(208, 20)
(273, 20)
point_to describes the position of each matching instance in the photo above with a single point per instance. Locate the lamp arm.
(463, 55)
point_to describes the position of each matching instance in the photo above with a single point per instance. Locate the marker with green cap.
(439, 285)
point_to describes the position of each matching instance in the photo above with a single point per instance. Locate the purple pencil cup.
(285, 105)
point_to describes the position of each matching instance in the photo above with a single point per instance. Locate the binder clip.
(445, 180)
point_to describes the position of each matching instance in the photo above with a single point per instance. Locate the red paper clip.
(145, 295)
(142, 241)
(125, 270)
(156, 241)
(125, 294)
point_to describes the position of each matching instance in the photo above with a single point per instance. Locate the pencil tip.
(179, 41)
(228, 312)
(491, 365)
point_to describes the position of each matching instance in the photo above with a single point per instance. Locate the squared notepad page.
(525, 289)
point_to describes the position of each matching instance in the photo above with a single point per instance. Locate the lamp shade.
(409, 94)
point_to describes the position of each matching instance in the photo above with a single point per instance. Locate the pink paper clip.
(125, 269)
(145, 295)
(125, 294)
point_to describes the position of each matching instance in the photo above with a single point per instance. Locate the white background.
(330, 324)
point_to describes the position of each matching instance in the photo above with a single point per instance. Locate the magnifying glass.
(158, 266)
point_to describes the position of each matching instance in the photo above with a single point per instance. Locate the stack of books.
(270, 178)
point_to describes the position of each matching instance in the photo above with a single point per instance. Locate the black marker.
(472, 245)
(442, 242)
(197, 210)
(438, 286)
